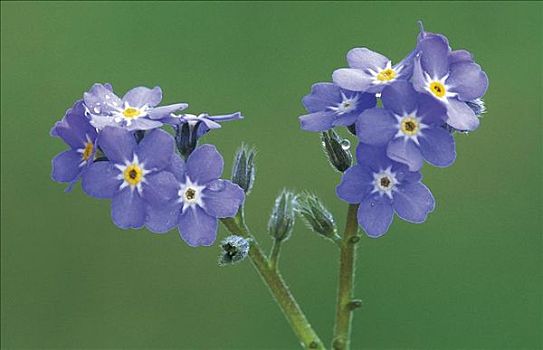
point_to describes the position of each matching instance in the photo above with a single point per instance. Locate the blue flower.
(329, 105)
(383, 187)
(134, 175)
(370, 71)
(135, 111)
(450, 77)
(410, 126)
(201, 198)
(203, 122)
(76, 131)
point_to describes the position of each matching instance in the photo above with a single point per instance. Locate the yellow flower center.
(190, 194)
(87, 151)
(437, 89)
(131, 112)
(409, 126)
(133, 174)
(386, 74)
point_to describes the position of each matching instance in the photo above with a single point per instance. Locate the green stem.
(277, 286)
(345, 303)
(274, 254)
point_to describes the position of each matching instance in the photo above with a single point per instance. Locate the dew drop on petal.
(372, 204)
(96, 110)
(216, 186)
(345, 144)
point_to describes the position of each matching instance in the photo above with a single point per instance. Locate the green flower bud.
(233, 250)
(282, 218)
(316, 216)
(243, 171)
(337, 150)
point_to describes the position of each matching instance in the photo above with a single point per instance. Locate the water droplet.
(216, 185)
(107, 97)
(345, 144)
(96, 110)
(372, 204)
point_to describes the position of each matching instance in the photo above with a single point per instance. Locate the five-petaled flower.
(383, 187)
(410, 126)
(451, 77)
(134, 175)
(370, 71)
(202, 197)
(329, 105)
(135, 111)
(77, 132)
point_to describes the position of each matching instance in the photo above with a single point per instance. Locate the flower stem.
(277, 286)
(274, 254)
(345, 302)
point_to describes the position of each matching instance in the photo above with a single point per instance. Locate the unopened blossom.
(370, 71)
(134, 175)
(329, 106)
(410, 127)
(383, 187)
(203, 122)
(451, 77)
(201, 198)
(75, 130)
(136, 110)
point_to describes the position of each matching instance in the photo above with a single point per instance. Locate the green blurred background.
(470, 277)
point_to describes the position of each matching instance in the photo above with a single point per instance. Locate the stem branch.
(345, 302)
(276, 284)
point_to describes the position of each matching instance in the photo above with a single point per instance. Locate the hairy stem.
(345, 302)
(277, 286)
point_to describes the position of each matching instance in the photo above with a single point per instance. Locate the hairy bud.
(477, 106)
(283, 214)
(243, 171)
(233, 250)
(316, 216)
(337, 150)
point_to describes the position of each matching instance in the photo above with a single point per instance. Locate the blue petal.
(406, 152)
(460, 116)
(364, 59)
(434, 56)
(100, 180)
(165, 111)
(162, 219)
(375, 215)
(101, 100)
(197, 228)
(159, 188)
(117, 144)
(318, 121)
(66, 166)
(376, 126)
(128, 209)
(140, 96)
(205, 164)
(322, 96)
(467, 80)
(225, 117)
(353, 79)
(400, 98)
(413, 202)
(437, 146)
(222, 198)
(355, 184)
(156, 149)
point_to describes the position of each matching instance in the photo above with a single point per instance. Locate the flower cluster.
(403, 115)
(119, 151)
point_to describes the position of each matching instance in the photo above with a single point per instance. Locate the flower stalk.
(276, 284)
(345, 302)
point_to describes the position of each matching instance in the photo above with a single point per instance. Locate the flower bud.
(337, 150)
(233, 250)
(282, 218)
(186, 139)
(243, 171)
(316, 216)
